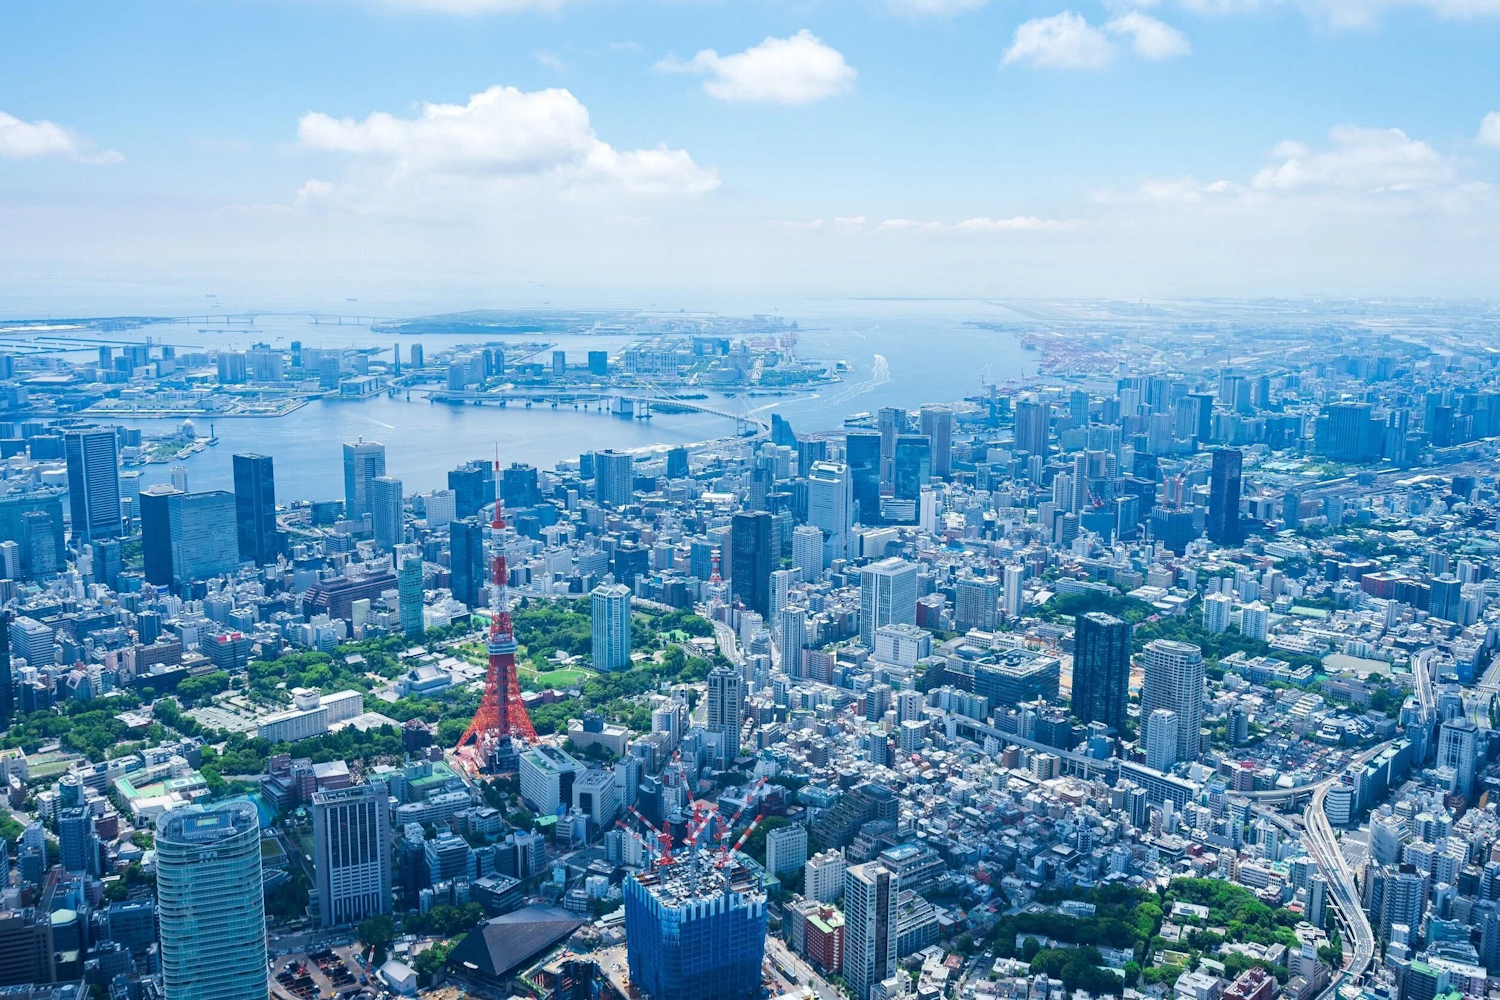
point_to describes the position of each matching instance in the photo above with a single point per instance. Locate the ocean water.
(901, 354)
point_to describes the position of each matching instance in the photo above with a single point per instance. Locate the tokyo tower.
(501, 719)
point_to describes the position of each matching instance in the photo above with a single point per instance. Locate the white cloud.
(933, 8)
(979, 225)
(1068, 41)
(1362, 176)
(21, 140)
(501, 139)
(1062, 41)
(1365, 159)
(795, 70)
(1150, 38)
(552, 61)
(1489, 130)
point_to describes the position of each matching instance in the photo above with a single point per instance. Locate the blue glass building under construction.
(694, 931)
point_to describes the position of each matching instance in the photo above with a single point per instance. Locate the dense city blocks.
(641, 665)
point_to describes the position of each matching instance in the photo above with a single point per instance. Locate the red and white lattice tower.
(501, 715)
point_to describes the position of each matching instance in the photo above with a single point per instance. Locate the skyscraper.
(1161, 739)
(726, 710)
(807, 551)
(93, 482)
(1033, 418)
(891, 423)
(409, 595)
(614, 478)
(791, 639)
(696, 934)
(187, 536)
(1011, 596)
(1101, 669)
(364, 461)
(1458, 745)
(862, 455)
(387, 513)
(1224, 498)
(1174, 681)
(7, 689)
(976, 603)
(609, 616)
(869, 927)
(752, 557)
(255, 508)
(350, 847)
(473, 486)
(887, 596)
(830, 505)
(911, 469)
(466, 561)
(210, 903)
(937, 427)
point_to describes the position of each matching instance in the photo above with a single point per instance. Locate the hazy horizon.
(462, 153)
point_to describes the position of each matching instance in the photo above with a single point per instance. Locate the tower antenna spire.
(489, 742)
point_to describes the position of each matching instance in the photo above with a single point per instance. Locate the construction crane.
(749, 797)
(743, 837)
(663, 837)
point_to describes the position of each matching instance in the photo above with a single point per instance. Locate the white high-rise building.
(1254, 619)
(786, 849)
(869, 927)
(609, 616)
(1012, 593)
(830, 505)
(807, 551)
(823, 877)
(782, 582)
(927, 508)
(350, 845)
(887, 596)
(1062, 492)
(1174, 681)
(441, 507)
(791, 639)
(210, 905)
(1458, 744)
(1216, 608)
(1161, 739)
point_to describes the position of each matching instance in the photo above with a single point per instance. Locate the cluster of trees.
(348, 744)
(1078, 968)
(82, 726)
(200, 690)
(288, 901)
(544, 627)
(445, 920)
(1123, 918)
(1234, 907)
(309, 669)
(1063, 608)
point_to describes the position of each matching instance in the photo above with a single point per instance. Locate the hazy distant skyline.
(498, 152)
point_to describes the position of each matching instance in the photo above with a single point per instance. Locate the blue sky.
(716, 153)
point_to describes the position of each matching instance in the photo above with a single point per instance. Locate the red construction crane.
(663, 837)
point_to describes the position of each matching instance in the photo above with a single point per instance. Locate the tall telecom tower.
(489, 742)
